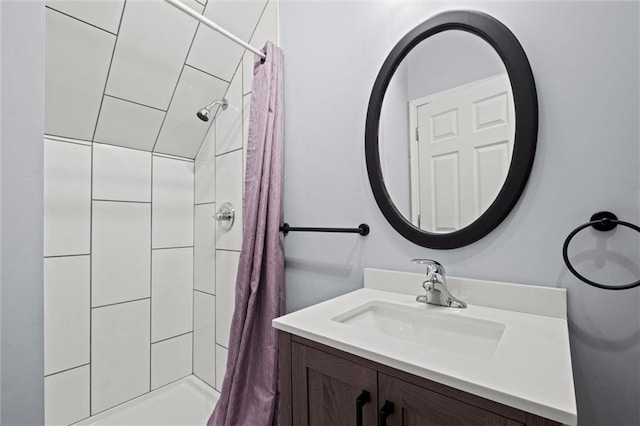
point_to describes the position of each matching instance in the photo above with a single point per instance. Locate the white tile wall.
(238, 17)
(66, 397)
(121, 252)
(148, 58)
(101, 13)
(221, 365)
(229, 122)
(204, 264)
(229, 188)
(205, 164)
(77, 62)
(146, 68)
(67, 198)
(121, 174)
(128, 124)
(172, 288)
(204, 354)
(247, 72)
(172, 202)
(120, 354)
(226, 273)
(171, 360)
(66, 313)
(266, 30)
(195, 90)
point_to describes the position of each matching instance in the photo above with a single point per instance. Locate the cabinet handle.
(361, 400)
(385, 411)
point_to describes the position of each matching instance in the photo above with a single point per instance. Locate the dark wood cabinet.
(327, 389)
(322, 386)
(418, 406)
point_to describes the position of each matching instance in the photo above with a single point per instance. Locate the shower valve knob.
(225, 216)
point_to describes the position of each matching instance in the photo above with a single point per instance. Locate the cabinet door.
(326, 389)
(417, 406)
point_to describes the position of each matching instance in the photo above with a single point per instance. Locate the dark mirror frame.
(526, 130)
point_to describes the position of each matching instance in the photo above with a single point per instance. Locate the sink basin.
(439, 329)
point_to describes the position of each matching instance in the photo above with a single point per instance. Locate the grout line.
(80, 20)
(103, 200)
(106, 80)
(117, 405)
(71, 255)
(204, 204)
(229, 152)
(207, 73)
(207, 384)
(193, 277)
(121, 303)
(54, 138)
(91, 286)
(171, 248)
(67, 369)
(172, 337)
(231, 250)
(151, 277)
(193, 328)
(174, 157)
(134, 102)
(122, 146)
(176, 86)
(204, 292)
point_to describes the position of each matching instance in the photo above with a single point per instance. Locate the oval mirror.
(451, 129)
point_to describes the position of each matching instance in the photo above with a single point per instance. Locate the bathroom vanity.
(376, 356)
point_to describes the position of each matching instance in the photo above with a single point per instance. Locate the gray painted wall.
(586, 63)
(450, 59)
(21, 145)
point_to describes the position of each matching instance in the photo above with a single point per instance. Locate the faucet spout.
(435, 287)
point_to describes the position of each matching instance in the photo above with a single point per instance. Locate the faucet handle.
(433, 266)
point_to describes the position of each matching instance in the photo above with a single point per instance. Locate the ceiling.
(133, 73)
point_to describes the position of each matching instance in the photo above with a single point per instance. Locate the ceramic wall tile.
(120, 353)
(77, 59)
(121, 174)
(171, 360)
(121, 252)
(172, 202)
(67, 198)
(171, 293)
(67, 310)
(127, 124)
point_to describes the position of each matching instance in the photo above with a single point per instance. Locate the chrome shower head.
(205, 113)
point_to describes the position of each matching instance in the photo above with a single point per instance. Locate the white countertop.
(530, 368)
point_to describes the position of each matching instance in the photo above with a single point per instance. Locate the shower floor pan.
(188, 401)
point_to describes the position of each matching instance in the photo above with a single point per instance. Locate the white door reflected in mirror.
(460, 152)
(446, 131)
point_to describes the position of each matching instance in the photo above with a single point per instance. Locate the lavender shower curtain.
(250, 390)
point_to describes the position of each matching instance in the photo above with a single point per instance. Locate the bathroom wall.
(219, 178)
(129, 236)
(21, 294)
(584, 57)
(118, 275)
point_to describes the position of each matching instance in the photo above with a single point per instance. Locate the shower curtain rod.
(209, 23)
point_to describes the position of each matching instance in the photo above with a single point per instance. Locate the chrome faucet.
(436, 286)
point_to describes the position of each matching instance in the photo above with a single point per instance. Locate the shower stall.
(139, 276)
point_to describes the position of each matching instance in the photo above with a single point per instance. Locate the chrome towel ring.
(601, 221)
